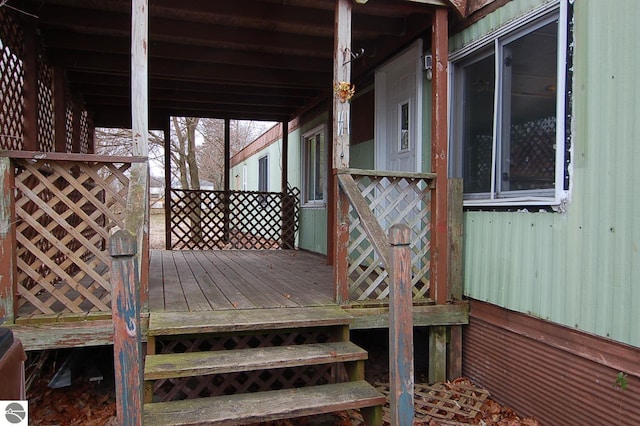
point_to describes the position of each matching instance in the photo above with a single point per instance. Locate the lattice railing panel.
(65, 211)
(68, 122)
(46, 120)
(84, 132)
(11, 82)
(202, 219)
(392, 200)
(242, 382)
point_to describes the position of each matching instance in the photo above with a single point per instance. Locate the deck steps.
(165, 366)
(264, 406)
(240, 356)
(173, 323)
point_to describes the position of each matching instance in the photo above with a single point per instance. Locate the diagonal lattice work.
(204, 219)
(46, 121)
(241, 382)
(392, 199)
(65, 212)
(458, 402)
(11, 82)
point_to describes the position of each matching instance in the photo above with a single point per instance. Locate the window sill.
(518, 204)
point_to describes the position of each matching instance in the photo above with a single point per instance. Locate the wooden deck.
(194, 281)
(202, 282)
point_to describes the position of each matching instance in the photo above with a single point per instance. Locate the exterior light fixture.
(428, 66)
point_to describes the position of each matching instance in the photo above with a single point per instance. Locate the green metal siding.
(361, 156)
(580, 268)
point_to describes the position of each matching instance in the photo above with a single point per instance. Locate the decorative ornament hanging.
(344, 90)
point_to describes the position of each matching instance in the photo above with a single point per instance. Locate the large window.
(508, 138)
(314, 167)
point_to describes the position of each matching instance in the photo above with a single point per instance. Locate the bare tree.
(183, 151)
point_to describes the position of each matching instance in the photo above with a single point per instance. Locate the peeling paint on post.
(127, 346)
(401, 378)
(7, 242)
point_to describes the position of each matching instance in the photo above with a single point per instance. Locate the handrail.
(385, 173)
(65, 156)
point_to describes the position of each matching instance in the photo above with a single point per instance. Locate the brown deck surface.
(199, 280)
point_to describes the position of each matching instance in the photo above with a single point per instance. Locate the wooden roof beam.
(89, 82)
(68, 44)
(194, 71)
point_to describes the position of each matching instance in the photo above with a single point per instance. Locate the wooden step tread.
(264, 406)
(165, 366)
(173, 323)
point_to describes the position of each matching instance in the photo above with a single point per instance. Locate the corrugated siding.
(580, 268)
(548, 383)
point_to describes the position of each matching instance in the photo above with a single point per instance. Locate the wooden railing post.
(340, 261)
(127, 346)
(401, 378)
(7, 243)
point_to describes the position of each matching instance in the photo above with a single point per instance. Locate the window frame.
(493, 44)
(263, 184)
(306, 202)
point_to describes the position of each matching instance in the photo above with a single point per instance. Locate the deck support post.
(341, 240)
(7, 243)
(401, 379)
(288, 201)
(437, 354)
(227, 181)
(440, 157)
(454, 353)
(340, 113)
(127, 342)
(167, 183)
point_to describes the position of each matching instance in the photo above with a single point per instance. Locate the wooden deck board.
(269, 271)
(215, 297)
(264, 406)
(173, 295)
(192, 290)
(192, 281)
(257, 276)
(156, 294)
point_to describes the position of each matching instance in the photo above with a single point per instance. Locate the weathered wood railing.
(207, 219)
(56, 214)
(370, 202)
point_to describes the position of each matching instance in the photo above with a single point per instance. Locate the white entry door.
(398, 125)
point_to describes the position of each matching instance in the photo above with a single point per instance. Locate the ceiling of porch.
(241, 59)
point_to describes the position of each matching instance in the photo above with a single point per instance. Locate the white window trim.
(322, 129)
(244, 177)
(561, 196)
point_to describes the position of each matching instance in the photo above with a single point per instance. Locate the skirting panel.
(558, 375)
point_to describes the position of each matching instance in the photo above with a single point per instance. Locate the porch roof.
(246, 59)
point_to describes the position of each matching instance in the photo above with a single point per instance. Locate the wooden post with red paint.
(341, 252)
(7, 243)
(401, 378)
(127, 346)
